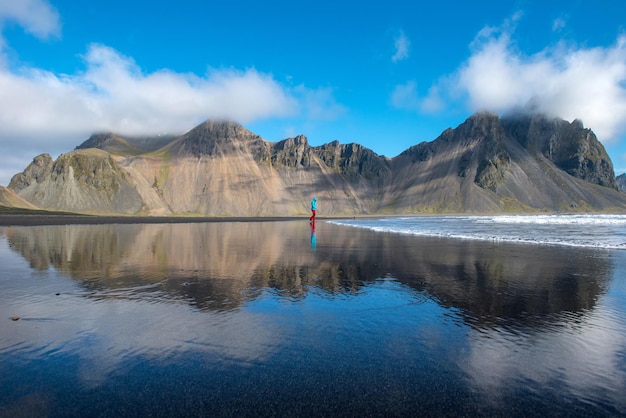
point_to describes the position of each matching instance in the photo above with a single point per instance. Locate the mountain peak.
(486, 164)
(220, 129)
(570, 146)
(482, 124)
(482, 117)
(122, 145)
(215, 137)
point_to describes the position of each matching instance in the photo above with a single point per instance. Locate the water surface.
(274, 318)
(607, 231)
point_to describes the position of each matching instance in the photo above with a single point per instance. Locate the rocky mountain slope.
(486, 164)
(10, 199)
(621, 182)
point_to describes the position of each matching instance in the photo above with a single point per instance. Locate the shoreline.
(42, 218)
(48, 219)
(36, 219)
(10, 216)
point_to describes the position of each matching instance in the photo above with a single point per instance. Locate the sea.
(587, 231)
(516, 316)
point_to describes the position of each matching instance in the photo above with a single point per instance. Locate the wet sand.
(49, 219)
(255, 318)
(475, 276)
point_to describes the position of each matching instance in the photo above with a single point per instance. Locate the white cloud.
(401, 44)
(114, 94)
(564, 81)
(130, 101)
(433, 102)
(558, 24)
(43, 111)
(319, 104)
(404, 96)
(37, 17)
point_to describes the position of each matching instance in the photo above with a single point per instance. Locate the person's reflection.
(313, 236)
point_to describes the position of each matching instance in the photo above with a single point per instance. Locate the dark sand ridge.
(26, 217)
(32, 220)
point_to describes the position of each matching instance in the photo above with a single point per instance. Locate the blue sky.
(387, 75)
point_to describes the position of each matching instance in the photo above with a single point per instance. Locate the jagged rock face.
(9, 198)
(108, 142)
(482, 136)
(219, 138)
(292, 152)
(220, 168)
(460, 171)
(569, 145)
(621, 182)
(354, 160)
(81, 181)
(36, 172)
(486, 165)
(119, 145)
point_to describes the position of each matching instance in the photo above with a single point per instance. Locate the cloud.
(40, 110)
(114, 94)
(404, 96)
(433, 102)
(319, 104)
(36, 16)
(401, 44)
(558, 24)
(565, 81)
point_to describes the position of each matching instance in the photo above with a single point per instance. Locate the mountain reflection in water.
(221, 265)
(260, 319)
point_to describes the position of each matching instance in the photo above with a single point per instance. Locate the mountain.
(621, 182)
(487, 164)
(85, 180)
(120, 145)
(569, 146)
(9, 198)
(492, 164)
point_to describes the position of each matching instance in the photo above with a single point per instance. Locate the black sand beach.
(226, 317)
(34, 218)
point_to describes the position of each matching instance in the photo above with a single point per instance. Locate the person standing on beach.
(313, 209)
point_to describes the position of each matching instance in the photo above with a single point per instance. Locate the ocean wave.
(555, 219)
(588, 231)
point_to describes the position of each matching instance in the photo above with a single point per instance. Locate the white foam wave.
(588, 231)
(555, 219)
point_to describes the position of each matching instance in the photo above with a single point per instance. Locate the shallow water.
(605, 231)
(259, 319)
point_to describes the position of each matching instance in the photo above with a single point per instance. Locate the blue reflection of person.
(313, 236)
